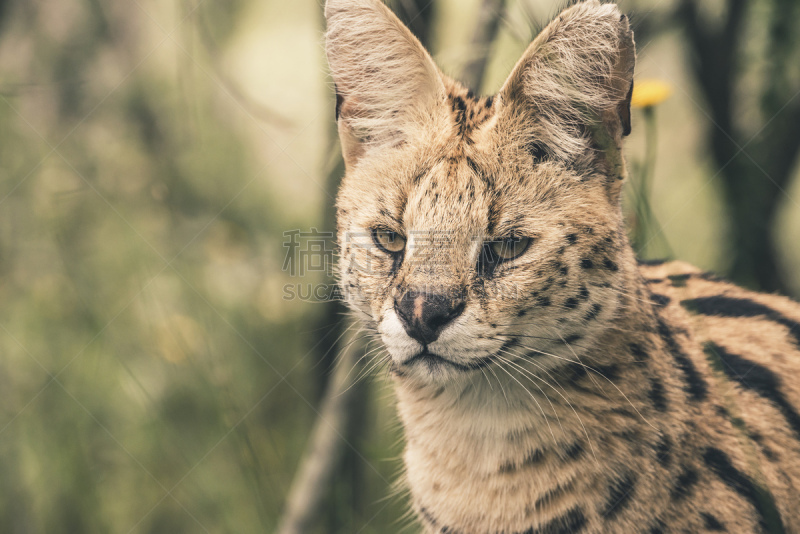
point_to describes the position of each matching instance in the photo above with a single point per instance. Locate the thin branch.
(325, 449)
(325, 456)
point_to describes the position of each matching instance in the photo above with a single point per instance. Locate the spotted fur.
(570, 389)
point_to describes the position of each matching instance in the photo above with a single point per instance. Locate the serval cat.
(546, 380)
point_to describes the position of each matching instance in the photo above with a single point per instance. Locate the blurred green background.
(153, 153)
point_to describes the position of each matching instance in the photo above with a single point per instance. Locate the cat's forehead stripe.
(469, 112)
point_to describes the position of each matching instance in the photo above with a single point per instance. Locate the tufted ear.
(386, 82)
(575, 81)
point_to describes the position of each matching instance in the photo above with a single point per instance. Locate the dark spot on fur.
(663, 450)
(711, 277)
(460, 112)
(620, 493)
(574, 451)
(611, 372)
(757, 378)
(506, 468)
(521, 313)
(571, 522)
(586, 263)
(657, 395)
(428, 517)
(593, 312)
(639, 354)
(712, 523)
(543, 301)
(584, 294)
(459, 106)
(695, 385)
(686, 480)
(474, 167)
(564, 270)
(659, 299)
(577, 371)
(610, 265)
(553, 493)
(658, 528)
(572, 338)
(678, 280)
(732, 307)
(533, 457)
(719, 462)
(571, 303)
(572, 239)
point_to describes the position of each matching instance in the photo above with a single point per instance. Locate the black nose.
(424, 315)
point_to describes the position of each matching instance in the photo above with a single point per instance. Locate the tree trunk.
(751, 200)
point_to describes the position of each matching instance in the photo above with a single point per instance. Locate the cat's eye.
(501, 250)
(388, 241)
(509, 248)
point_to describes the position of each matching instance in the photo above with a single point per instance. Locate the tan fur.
(581, 392)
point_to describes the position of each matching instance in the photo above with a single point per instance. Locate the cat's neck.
(559, 432)
(547, 403)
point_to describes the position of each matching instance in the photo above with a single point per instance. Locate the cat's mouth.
(435, 361)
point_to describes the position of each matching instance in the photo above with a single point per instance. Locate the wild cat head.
(476, 229)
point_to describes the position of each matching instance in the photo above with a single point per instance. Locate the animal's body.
(546, 381)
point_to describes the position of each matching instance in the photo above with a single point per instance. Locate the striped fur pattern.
(576, 390)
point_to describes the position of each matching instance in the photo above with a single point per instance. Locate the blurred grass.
(151, 156)
(144, 337)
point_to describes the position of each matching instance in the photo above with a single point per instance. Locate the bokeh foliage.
(153, 379)
(152, 155)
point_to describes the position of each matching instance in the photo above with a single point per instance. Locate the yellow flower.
(648, 93)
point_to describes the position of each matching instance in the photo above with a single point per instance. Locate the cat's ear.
(575, 80)
(386, 82)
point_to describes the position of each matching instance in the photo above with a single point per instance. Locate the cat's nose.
(424, 315)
